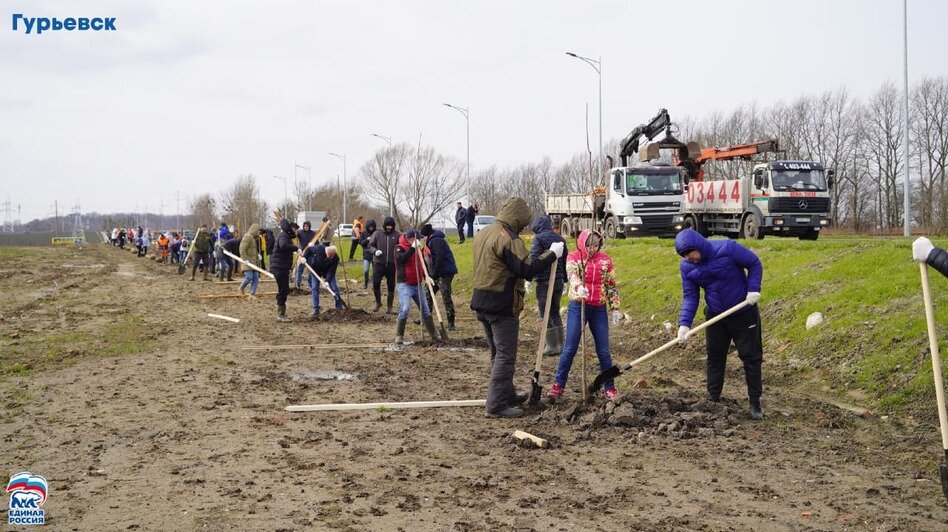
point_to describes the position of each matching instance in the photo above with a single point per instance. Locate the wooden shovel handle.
(936, 358)
(546, 315)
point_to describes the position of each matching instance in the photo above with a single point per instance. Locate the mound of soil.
(681, 415)
(473, 342)
(348, 315)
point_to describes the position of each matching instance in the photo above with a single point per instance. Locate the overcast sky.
(186, 95)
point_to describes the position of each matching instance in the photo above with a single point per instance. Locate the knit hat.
(410, 233)
(426, 230)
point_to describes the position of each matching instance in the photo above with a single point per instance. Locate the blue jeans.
(598, 321)
(299, 273)
(406, 294)
(470, 228)
(251, 277)
(315, 287)
(365, 266)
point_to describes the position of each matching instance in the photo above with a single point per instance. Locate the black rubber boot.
(552, 338)
(281, 314)
(756, 412)
(365, 280)
(378, 301)
(391, 298)
(400, 332)
(430, 327)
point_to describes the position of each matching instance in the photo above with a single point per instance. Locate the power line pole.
(908, 186)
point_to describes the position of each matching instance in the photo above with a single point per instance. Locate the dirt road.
(143, 413)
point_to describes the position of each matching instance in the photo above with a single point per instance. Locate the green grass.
(872, 344)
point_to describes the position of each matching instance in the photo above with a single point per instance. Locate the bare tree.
(930, 132)
(884, 136)
(430, 186)
(204, 211)
(241, 204)
(383, 175)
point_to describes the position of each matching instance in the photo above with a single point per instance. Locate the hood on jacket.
(370, 226)
(403, 241)
(541, 224)
(515, 214)
(389, 221)
(689, 240)
(254, 229)
(584, 238)
(437, 233)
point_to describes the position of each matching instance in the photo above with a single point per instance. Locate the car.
(482, 221)
(344, 230)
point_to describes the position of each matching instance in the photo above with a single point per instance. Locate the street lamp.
(345, 187)
(309, 183)
(383, 137)
(285, 197)
(907, 228)
(466, 111)
(597, 66)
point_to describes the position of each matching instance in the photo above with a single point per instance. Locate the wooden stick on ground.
(315, 346)
(539, 442)
(235, 296)
(248, 264)
(222, 317)
(387, 406)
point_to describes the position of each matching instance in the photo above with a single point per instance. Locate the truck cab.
(644, 200)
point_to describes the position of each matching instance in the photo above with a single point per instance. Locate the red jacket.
(407, 266)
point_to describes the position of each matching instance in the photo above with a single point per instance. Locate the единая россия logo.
(28, 493)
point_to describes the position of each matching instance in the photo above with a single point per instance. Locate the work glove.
(616, 317)
(378, 253)
(557, 249)
(684, 333)
(417, 244)
(921, 249)
(526, 287)
(582, 292)
(326, 286)
(753, 297)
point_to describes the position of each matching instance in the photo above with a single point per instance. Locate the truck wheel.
(750, 227)
(610, 228)
(810, 234)
(695, 222)
(566, 229)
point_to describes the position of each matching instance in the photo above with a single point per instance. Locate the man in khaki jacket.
(501, 263)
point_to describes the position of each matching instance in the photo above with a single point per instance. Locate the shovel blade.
(444, 333)
(604, 377)
(181, 269)
(535, 390)
(943, 472)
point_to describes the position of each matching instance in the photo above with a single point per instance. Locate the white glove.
(582, 292)
(684, 333)
(752, 297)
(616, 317)
(557, 249)
(921, 249)
(327, 286)
(416, 244)
(378, 253)
(526, 287)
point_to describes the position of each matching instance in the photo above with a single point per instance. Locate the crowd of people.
(418, 264)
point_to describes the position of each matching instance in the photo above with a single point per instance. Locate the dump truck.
(781, 197)
(641, 199)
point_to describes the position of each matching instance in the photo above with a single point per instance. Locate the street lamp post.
(345, 188)
(309, 184)
(907, 229)
(597, 66)
(466, 111)
(383, 137)
(285, 197)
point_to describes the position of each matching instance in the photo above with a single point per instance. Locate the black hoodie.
(370, 227)
(281, 257)
(387, 242)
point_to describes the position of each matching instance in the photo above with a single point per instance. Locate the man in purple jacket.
(729, 273)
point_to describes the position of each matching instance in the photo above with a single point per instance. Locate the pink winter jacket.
(599, 277)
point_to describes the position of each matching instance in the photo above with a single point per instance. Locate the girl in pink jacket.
(592, 280)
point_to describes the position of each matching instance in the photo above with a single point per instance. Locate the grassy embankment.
(872, 346)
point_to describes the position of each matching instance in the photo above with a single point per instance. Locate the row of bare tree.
(861, 140)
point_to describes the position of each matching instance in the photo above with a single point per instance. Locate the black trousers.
(378, 273)
(352, 250)
(283, 284)
(196, 258)
(461, 232)
(443, 285)
(744, 330)
(502, 334)
(555, 319)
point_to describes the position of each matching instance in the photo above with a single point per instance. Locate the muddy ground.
(143, 413)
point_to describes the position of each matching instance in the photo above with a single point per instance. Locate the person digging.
(729, 273)
(501, 264)
(382, 246)
(202, 251)
(410, 278)
(281, 263)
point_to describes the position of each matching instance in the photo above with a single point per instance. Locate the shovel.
(615, 371)
(434, 297)
(936, 371)
(183, 267)
(535, 390)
